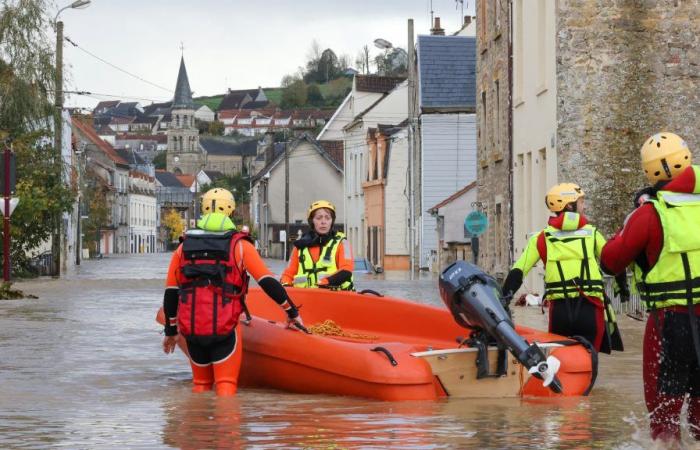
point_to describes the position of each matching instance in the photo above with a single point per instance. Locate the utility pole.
(286, 198)
(58, 148)
(413, 154)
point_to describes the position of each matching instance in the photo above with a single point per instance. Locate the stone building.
(494, 179)
(185, 155)
(590, 81)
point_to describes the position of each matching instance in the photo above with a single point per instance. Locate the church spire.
(183, 93)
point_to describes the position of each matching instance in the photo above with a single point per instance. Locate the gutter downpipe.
(510, 135)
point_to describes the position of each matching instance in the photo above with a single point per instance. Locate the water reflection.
(81, 367)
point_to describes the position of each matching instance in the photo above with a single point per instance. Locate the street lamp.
(58, 129)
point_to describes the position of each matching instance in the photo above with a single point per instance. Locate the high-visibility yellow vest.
(675, 278)
(310, 273)
(571, 266)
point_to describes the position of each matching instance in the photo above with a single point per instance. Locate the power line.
(116, 67)
(93, 94)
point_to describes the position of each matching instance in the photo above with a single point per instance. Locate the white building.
(143, 213)
(349, 124)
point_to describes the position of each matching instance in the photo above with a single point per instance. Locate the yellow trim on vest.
(309, 273)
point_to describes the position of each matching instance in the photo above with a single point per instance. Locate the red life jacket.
(212, 286)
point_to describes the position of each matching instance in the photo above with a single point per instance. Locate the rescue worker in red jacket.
(322, 257)
(661, 239)
(569, 248)
(205, 294)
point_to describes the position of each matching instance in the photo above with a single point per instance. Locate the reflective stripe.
(583, 232)
(300, 279)
(680, 198)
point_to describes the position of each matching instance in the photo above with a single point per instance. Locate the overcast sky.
(227, 43)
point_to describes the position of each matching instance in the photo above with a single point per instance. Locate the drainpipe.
(510, 135)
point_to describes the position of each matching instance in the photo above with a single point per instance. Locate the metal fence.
(42, 264)
(634, 307)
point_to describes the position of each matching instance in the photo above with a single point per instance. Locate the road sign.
(13, 204)
(476, 223)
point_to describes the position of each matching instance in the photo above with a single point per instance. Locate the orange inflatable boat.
(390, 349)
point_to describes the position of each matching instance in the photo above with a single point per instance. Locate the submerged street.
(82, 367)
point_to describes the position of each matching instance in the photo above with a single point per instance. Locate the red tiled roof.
(453, 196)
(138, 174)
(186, 180)
(92, 136)
(376, 83)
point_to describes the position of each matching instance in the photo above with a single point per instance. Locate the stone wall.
(626, 69)
(493, 138)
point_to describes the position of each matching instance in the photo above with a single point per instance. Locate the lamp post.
(58, 129)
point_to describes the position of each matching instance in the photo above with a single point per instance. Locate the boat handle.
(387, 353)
(370, 291)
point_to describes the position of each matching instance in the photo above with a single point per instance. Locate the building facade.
(313, 174)
(493, 134)
(446, 70)
(143, 213)
(577, 117)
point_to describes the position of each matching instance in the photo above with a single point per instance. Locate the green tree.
(294, 95)
(216, 128)
(26, 114)
(392, 62)
(314, 96)
(239, 185)
(160, 160)
(94, 199)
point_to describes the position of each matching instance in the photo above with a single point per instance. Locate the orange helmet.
(664, 155)
(561, 195)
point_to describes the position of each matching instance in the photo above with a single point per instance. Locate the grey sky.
(237, 44)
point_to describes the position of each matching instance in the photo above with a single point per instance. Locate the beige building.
(590, 81)
(314, 173)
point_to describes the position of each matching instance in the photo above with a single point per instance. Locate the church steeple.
(183, 93)
(184, 154)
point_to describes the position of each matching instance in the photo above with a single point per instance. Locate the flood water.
(82, 367)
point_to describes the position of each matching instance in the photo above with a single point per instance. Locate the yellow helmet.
(318, 204)
(218, 200)
(561, 195)
(664, 155)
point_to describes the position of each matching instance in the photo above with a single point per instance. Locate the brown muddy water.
(82, 367)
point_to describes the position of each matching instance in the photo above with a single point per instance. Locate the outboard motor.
(474, 299)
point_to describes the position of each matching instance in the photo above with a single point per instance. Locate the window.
(497, 116)
(484, 112)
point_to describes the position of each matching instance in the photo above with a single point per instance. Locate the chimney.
(467, 20)
(436, 30)
(267, 143)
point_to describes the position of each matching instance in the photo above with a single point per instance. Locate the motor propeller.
(474, 299)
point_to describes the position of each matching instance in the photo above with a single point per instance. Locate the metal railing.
(635, 306)
(42, 264)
